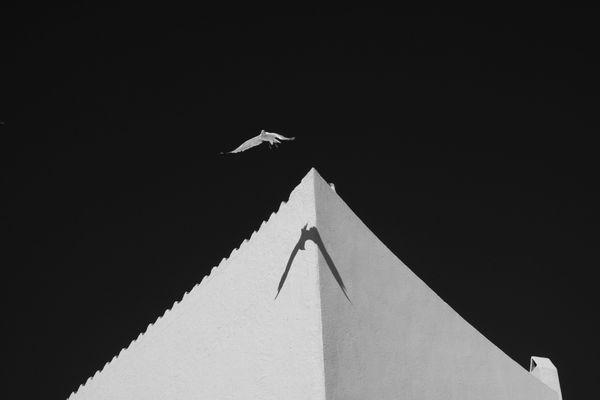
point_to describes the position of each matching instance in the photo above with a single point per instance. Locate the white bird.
(272, 138)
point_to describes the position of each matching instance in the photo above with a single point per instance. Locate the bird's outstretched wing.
(248, 144)
(298, 246)
(280, 137)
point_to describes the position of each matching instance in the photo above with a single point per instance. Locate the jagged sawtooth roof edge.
(214, 272)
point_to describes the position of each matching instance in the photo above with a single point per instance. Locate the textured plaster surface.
(228, 338)
(398, 339)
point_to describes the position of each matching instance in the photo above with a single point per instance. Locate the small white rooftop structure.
(543, 369)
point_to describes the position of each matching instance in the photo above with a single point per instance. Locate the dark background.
(463, 140)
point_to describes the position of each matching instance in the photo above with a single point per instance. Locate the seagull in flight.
(272, 138)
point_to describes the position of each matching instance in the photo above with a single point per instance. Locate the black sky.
(465, 142)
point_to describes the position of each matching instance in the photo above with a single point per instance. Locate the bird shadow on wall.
(312, 234)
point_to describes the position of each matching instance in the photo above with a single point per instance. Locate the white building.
(392, 337)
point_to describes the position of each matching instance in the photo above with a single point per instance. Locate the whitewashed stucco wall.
(398, 339)
(229, 338)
